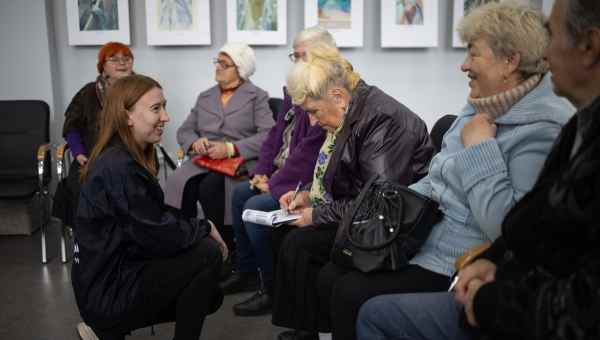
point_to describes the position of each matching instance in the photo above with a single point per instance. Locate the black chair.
(276, 105)
(25, 171)
(439, 129)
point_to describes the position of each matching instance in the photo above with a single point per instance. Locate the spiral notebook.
(269, 218)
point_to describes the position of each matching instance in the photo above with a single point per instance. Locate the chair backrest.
(276, 105)
(439, 129)
(24, 126)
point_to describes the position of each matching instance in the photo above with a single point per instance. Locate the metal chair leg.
(43, 231)
(63, 244)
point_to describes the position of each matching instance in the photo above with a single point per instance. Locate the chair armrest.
(61, 149)
(180, 156)
(61, 160)
(42, 151)
(470, 255)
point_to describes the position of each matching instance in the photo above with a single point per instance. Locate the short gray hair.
(315, 35)
(581, 15)
(509, 27)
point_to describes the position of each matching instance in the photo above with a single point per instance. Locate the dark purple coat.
(304, 149)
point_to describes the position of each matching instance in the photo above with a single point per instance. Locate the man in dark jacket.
(368, 133)
(541, 278)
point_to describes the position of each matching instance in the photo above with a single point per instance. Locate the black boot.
(259, 303)
(239, 282)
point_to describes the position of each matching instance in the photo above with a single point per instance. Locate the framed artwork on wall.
(343, 18)
(547, 7)
(178, 22)
(409, 23)
(96, 22)
(257, 22)
(461, 8)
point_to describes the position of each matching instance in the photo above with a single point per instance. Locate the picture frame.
(257, 23)
(96, 22)
(547, 7)
(178, 22)
(343, 18)
(409, 23)
(458, 13)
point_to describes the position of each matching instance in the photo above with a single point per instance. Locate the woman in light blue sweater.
(490, 157)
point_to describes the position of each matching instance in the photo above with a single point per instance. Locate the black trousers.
(182, 289)
(66, 196)
(302, 252)
(209, 190)
(342, 291)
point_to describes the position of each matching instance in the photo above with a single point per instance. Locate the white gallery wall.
(25, 61)
(39, 63)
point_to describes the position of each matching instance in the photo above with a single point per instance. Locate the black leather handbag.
(384, 228)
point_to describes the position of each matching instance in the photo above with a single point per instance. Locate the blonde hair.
(509, 27)
(114, 118)
(325, 67)
(314, 35)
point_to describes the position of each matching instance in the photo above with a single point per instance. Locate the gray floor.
(37, 302)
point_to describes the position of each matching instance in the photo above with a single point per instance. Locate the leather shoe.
(258, 304)
(239, 282)
(297, 335)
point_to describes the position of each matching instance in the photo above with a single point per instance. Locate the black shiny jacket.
(384, 138)
(548, 278)
(121, 224)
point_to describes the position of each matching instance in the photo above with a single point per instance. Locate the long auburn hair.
(120, 99)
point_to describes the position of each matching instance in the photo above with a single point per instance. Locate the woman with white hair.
(230, 119)
(368, 133)
(490, 158)
(287, 157)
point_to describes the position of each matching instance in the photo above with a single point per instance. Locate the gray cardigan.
(245, 121)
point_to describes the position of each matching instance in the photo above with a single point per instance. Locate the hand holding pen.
(295, 200)
(295, 195)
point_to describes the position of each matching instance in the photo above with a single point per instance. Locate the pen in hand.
(295, 194)
(454, 282)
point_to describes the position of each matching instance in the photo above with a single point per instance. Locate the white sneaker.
(85, 332)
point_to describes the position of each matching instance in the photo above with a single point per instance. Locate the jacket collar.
(540, 104)
(360, 91)
(587, 118)
(240, 97)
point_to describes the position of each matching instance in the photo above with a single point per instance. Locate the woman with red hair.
(80, 128)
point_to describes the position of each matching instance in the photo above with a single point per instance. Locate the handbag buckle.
(389, 193)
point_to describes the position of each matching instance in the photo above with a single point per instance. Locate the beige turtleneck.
(498, 104)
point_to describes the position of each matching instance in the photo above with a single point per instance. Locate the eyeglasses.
(222, 63)
(119, 60)
(295, 56)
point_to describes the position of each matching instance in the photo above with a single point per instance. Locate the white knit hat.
(243, 57)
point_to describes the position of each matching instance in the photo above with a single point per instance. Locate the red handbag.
(232, 167)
